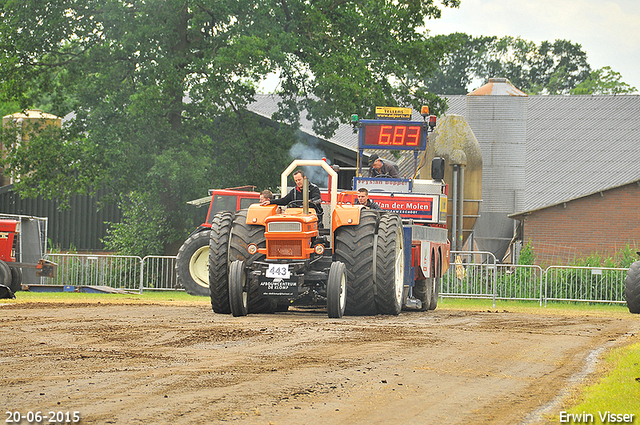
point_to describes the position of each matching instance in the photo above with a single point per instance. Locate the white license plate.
(278, 271)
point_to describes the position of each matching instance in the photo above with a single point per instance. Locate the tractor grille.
(285, 226)
(285, 249)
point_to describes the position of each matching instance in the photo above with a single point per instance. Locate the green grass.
(617, 390)
(571, 308)
(446, 303)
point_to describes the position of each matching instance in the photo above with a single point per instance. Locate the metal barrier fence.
(159, 272)
(114, 271)
(130, 273)
(474, 274)
(471, 274)
(592, 284)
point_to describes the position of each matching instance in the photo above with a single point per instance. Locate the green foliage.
(603, 81)
(621, 259)
(143, 228)
(8, 108)
(558, 67)
(158, 91)
(527, 256)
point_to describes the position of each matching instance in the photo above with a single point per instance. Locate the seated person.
(363, 199)
(380, 169)
(265, 195)
(295, 194)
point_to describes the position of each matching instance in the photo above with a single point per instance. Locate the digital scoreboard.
(403, 135)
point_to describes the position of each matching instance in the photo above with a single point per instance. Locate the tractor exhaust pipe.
(305, 196)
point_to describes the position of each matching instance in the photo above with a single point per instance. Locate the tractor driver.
(380, 169)
(363, 199)
(295, 194)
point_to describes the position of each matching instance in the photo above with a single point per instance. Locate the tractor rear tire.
(632, 288)
(354, 246)
(337, 290)
(16, 279)
(237, 289)
(5, 275)
(192, 263)
(389, 281)
(218, 261)
(242, 234)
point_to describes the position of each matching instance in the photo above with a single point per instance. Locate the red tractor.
(10, 269)
(193, 256)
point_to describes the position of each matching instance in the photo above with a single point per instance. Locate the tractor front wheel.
(423, 291)
(192, 263)
(337, 290)
(632, 288)
(238, 294)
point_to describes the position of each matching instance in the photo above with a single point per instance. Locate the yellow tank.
(26, 122)
(454, 141)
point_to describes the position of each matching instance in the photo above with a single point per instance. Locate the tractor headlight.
(252, 248)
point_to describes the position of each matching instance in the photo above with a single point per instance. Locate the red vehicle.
(10, 269)
(193, 257)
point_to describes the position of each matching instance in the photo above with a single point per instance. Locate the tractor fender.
(345, 215)
(257, 214)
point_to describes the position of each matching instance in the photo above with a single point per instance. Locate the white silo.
(497, 114)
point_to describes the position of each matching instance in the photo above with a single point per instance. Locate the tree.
(125, 68)
(603, 81)
(549, 68)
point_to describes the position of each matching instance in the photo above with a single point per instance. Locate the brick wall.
(602, 224)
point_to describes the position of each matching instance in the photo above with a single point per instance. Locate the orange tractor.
(361, 262)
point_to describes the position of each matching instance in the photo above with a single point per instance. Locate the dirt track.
(183, 364)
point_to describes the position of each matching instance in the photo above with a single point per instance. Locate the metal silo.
(454, 141)
(497, 114)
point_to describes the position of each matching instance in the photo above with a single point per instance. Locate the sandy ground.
(129, 363)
